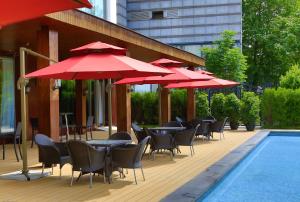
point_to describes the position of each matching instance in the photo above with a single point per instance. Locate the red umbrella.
(205, 72)
(98, 61)
(180, 74)
(213, 83)
(12, 11)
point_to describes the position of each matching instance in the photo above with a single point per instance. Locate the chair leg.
(86, 134)
(80, 174)
(134, 176)
(43, 168)
(91, 180)
(104, 178)
(72, 178)
(60, 171)
(143, 173)
(3, 148)
(91, 131)
(15, 148)
(191, 150)
(32, 138)
(20, 149)
(171, 154)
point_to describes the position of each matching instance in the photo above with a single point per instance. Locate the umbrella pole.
(159, 104)
(22, 82)
(109, 108)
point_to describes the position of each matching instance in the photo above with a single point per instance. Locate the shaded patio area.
(163, 175)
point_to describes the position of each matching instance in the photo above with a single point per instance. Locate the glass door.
(7, 94)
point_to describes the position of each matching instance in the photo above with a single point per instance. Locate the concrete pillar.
(47, 107)
(81, 90)
(123, 108)
(165, 105)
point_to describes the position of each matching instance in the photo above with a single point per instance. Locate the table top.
(108, 143)
(168, 128)
(209, 120)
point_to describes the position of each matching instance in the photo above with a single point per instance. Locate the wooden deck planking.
(163, 175)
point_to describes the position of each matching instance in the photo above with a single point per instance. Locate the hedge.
(202, 106)
(178, 104)
(281, 108)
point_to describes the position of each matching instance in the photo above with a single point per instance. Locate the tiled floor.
(163, 175)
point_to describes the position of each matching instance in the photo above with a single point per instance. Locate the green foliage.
(291, 79)
(67, 96)
(178, 103)
(281, 108)
(144, 108)
(271, 38)
(202, 107)
(225, 60)
(233, 108)
(250, 107)
(218, 106)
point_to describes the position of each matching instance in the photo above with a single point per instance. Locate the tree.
(270, 38)
(291, 79)
(225, 60)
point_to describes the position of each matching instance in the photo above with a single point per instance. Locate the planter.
(250, 127)
(234, 125)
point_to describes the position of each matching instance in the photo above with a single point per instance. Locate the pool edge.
(198, 186)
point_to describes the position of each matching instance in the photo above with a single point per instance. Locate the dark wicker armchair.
(160, 141)
(218, 127)
(86, 159)
(130, 156)
(88, 128)
(120, 136)
(51, 153)
(186, 138)
(139, 132)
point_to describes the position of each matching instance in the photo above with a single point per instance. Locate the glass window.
(98, 9)
(7, 94)
(157, 15)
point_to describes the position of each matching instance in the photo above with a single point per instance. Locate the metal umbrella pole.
(22, 83)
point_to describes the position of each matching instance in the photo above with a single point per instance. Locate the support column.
(165, 105)
(191, 102)
(123, 108)
(81, 88)
(48, 99)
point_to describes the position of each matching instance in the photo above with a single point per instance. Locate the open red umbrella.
(179, 74)
(98, 61)
(213, 83)
(12, 11)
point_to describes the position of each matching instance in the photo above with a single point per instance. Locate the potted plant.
(250, 110)
(233, 109)
(218, 106)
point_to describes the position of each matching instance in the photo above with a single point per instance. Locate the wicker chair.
(34, 128)
(86, 159)
(160, 141)
(120, 136)
(86, 129)
(51, 153)
(186, 138)
(140, 133)
(218, 127)
(130, 156)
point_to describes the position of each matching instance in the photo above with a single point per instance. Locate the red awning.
(98, 61)
(213, 83)
(12, 11)
(180, 74)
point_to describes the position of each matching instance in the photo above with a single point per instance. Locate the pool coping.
(198, 186)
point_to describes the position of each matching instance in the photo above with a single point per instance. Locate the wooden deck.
(163, 175)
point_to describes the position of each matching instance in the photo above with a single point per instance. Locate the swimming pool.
(271, 172)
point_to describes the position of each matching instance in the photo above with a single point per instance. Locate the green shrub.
(281, 108)
(291, 79)
(178, 103)
(218, 106)
(250, 108)
(67, 96)
(233, 110)
(202, 107)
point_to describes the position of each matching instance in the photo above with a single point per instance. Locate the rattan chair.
(218, 127)
(120, 136)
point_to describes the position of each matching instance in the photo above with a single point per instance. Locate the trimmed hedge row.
(281, 108)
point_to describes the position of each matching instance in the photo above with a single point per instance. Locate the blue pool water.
(271, 172)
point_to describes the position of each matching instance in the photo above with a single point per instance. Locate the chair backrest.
(84, 157)
(219, 126)
(198, 128)
(141, 148)
(90, 121)
(18, 130)
(120, 136)
(136, 128)
(178, 119)
(140, 134)
(43, 140)
(34, 122)
(172, 124)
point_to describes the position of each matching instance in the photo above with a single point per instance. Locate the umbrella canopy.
(98, 61)
(205, 72)
(179, 74)
(12, 11)
(213, 83)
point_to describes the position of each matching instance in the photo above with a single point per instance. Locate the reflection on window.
(97, 10)
(7, 95)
